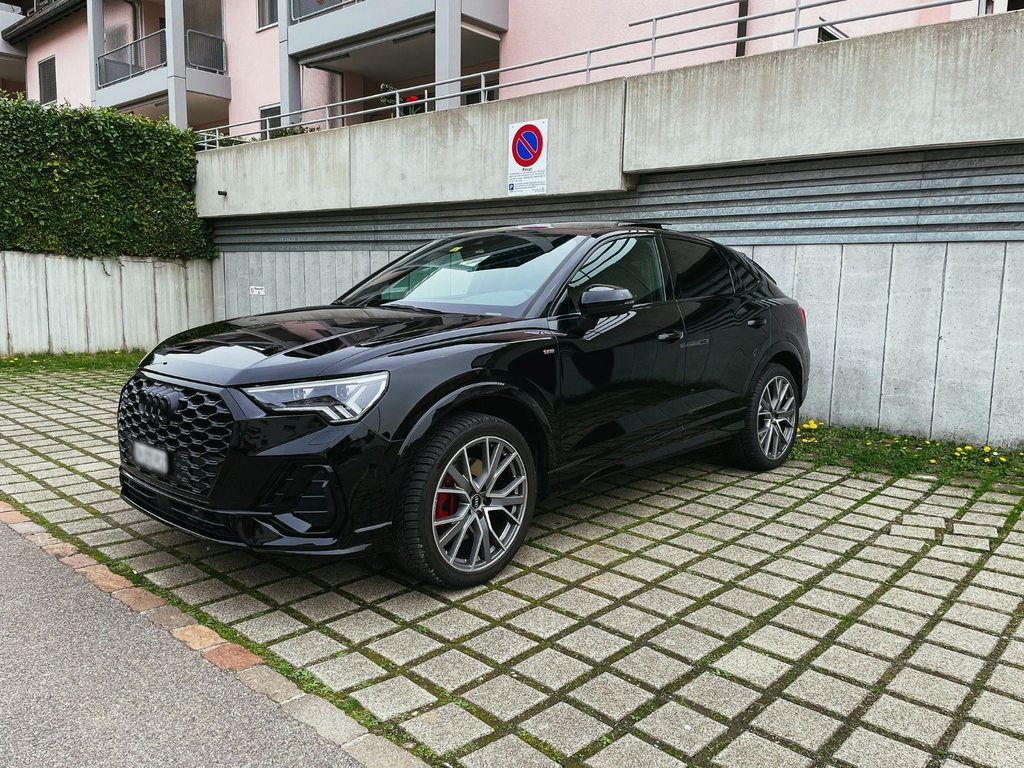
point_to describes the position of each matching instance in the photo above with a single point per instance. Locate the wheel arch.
(495, 399)
(788, 356)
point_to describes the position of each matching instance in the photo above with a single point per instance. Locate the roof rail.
(651, 224)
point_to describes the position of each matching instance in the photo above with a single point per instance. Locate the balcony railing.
(580, 66)
(206, 52)
(135, 58)
(303, 9)
(202, 51)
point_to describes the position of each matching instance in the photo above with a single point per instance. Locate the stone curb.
(367, 749)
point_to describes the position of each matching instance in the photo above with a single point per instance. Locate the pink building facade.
(239, 65)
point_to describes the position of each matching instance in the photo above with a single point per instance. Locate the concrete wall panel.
(779, 261)
(199, 290)
(219, 292)
(65, 305)
(816, 287)
(361, 261)
(860, 335)
(329, 264)
(171, 291)
(915, 306)
(462, 154)
(138, 297)
(104, 307)
(297, 294)
(773, 114)
(315, 165)
(28, 326)
(1007, 417)
(448, 156)
(4, 342)
(966, 350)
(312, 277)
(256, 278)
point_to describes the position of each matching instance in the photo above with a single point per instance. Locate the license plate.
(156, 460)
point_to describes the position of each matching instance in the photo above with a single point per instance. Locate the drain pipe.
(741, 28)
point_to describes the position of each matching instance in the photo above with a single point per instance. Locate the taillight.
(803, 314)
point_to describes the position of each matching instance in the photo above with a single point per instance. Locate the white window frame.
(265, 128)
(269, 25)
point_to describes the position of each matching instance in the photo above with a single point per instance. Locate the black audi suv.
(430, 407)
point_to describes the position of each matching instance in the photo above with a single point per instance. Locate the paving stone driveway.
(681, 614)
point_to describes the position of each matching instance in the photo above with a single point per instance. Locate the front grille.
(195, 432)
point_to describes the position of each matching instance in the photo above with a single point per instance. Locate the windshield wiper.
(392, 305)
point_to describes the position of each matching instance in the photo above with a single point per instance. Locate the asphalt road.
(84, 681)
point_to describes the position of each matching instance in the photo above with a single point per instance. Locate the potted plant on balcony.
(410, 105)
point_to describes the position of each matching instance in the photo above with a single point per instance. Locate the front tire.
(468, 502)
(771, 418)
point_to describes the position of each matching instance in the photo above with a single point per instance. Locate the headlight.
(337, 400)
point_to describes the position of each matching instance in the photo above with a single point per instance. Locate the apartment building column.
(448, 51)
(177, 93)
(94, 22)
(290, 76)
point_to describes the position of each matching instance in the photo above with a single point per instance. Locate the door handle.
(757, 322)
(670, 336)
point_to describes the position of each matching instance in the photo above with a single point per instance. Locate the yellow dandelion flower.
(988, 460)
(932, 461)
(987, 449)
(1002, 459)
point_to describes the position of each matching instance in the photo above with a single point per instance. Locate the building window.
(828, 33)
(48, 80)
(1015, 5)
(270, 119)
(266, 10)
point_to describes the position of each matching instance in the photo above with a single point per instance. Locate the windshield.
(491, 274)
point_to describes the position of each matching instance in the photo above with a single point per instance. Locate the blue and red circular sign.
(527, 145)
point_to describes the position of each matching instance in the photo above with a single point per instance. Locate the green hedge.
(96, 183)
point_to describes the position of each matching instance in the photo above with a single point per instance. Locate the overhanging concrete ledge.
(942, 85)
(443, 157)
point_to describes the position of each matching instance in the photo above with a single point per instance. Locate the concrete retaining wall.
(443, 157)
(61, 304)
(923, 338)
(924, 87)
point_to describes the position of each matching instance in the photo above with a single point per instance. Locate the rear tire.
(770, 421)
(468, 502)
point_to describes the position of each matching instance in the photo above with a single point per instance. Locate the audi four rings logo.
(158, 404)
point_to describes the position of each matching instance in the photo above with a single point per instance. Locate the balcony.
(136, 77)
(204, 52)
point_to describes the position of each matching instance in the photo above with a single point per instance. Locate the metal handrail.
(323, 6)
(206, 52)
(314, 118)
(131, 59)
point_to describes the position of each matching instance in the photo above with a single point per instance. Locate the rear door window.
(698, 269)
(747, 273)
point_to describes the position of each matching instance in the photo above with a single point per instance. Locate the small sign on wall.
(257, 290)
(528, 158)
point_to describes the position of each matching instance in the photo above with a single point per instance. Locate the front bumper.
(284, 484)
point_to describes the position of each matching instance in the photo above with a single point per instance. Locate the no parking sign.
(528, 158)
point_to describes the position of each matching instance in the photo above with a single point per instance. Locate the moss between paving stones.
(620, 496)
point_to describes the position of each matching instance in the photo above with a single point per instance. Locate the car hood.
(312, 341)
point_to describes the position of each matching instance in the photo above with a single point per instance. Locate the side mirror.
(605, 301)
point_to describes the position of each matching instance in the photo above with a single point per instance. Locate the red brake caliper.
(445, 506)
